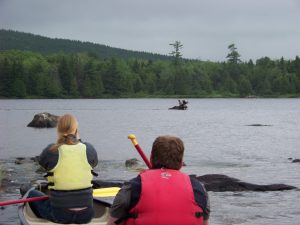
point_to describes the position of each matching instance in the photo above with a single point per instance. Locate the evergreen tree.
(111, 79)
(244, 87)
(233, 55)
(6, 79)
(18, 89)
(66, 77)
(176, 52)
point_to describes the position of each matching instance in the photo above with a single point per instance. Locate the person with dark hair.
(69, 163)
(162, 195)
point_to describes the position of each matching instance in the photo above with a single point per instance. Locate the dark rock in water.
(259, 125)
(19, 160)
(35, 158)
(221, 183)
(44, 119)
(22, 160)
(213, 182)
(296, 161)
(132, 162)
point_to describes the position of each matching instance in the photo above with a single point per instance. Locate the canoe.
(101, 206)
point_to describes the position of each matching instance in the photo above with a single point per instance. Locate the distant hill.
(30, 42)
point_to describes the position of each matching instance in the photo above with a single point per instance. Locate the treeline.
(25, 74)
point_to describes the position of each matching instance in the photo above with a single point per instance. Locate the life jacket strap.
(94, 173)
(48, 174)
(50, 184)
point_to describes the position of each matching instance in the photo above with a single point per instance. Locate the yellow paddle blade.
(106, 192)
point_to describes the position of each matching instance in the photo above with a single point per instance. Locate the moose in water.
(182, 105)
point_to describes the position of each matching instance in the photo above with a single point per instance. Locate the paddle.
(139, 149)
(106, 192)
(11, 202)
(100, 192)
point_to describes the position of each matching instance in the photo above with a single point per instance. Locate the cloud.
(204, 27)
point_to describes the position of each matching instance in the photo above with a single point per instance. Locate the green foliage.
(26, 74)
(86, 74)
(176, 52)
(233, 56)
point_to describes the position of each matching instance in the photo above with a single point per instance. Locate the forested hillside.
(14, 40)
(40, 67)
(26, 74)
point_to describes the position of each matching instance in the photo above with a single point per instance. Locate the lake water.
(217, 140)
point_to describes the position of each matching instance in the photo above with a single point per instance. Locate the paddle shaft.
(100, 192)
(142, 154)
(140, 150)
(11, 202)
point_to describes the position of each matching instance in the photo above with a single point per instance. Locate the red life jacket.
(167, 198)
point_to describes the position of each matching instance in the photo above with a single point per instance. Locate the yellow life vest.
(72, 171)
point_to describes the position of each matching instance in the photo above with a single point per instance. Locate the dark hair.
(167, 152)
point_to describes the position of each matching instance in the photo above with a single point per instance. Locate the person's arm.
(48, 159)
(202, 198)
(120, 207)
(92, 155)
(207, 208)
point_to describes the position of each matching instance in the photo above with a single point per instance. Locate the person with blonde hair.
(69, 163)
(162, 195)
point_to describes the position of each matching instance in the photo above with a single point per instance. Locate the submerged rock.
(215, 183)
(43, 120)
(259, 125)
(294, 160)
(221, 183)
(212, 182)
(22, 160)
(132, 162)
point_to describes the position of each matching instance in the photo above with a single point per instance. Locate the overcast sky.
(205, 28)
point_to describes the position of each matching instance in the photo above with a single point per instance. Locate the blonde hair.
(66, 130)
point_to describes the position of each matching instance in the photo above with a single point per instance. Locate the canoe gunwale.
(101, 207)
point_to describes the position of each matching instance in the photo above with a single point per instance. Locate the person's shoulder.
(136, 180)
(88, 145)
(200, 194)
(47, 149)
(49, 146)
(91, 153)
(48, 158)
(197, 185)
(133, 185)
(89, 148)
